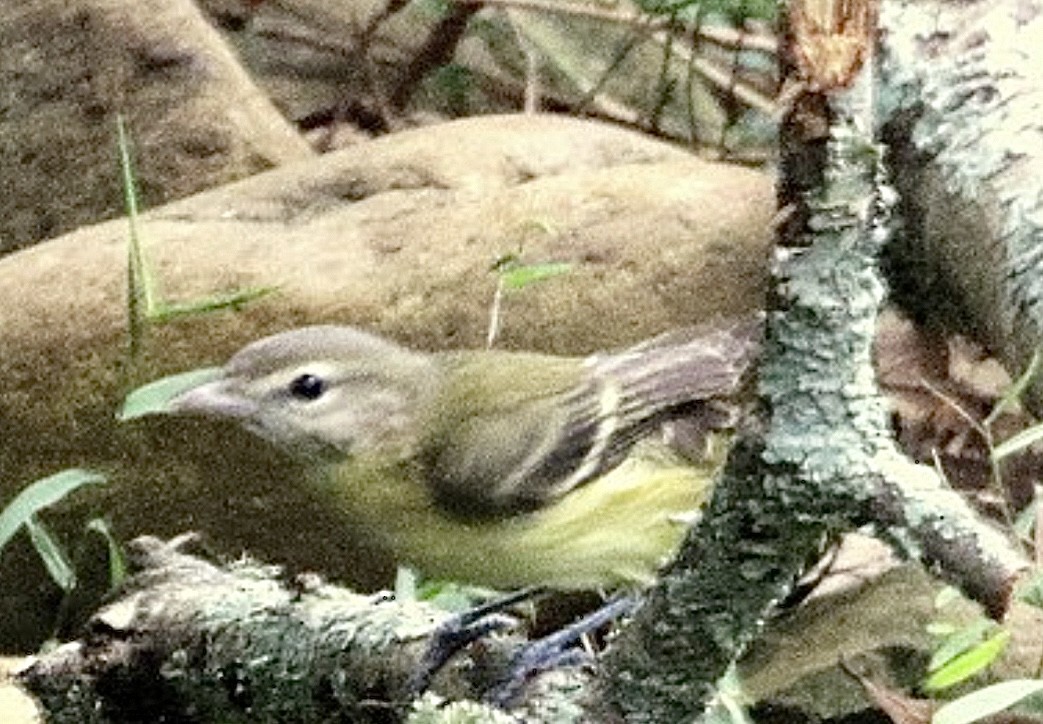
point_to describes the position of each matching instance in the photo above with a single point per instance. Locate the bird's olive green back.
(495, 414)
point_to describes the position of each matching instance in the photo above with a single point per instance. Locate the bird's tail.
(682, 368)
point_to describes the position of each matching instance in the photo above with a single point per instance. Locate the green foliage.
(144, 303)
(117, 560)
(445, 595)
(455, 83)
(955, 640)
(453, 597)
(516, 276)
(964, 652)
(1016, 443)
(1031, 592)
(998, 452)
(965, 655)
(1025, 523)
(987, 701)
(22, 512)
(154, 397)
(1011, 398)
(736, 11)
(513, 275)
(39, 495)
(53, 555)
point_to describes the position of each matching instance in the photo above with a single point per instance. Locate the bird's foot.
(459, 631)
(555, 650)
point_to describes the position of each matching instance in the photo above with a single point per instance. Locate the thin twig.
(996, 475)
(725, 37)
(438, 49)
(713, 73)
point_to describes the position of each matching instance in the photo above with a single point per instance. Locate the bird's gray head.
(319, 390)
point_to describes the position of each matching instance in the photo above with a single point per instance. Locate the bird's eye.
(307, 387)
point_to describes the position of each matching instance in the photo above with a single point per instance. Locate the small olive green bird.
(500, 469)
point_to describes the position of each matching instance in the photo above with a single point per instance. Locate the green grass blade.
(1031, 591)
(986, 701)
(232, 300)
(523, 275)
(968, 664)
(1025, 523)
(39, 495)
(1017, 443)
(52, 554)
(117, 560)
(1014, 392)
(154, 398)
(141, 289)
(960, 642)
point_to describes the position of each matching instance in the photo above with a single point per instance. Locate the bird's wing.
(526, 429)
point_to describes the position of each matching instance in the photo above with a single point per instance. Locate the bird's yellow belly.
(614, 532)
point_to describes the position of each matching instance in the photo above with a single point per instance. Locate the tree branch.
(191, 641)
(964, 91)
(818, 458)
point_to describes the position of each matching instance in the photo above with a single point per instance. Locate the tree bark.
(818, 458)
(961, 82)
(191, 641)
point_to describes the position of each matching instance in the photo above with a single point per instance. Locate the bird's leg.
(556, 649)
(461, 630)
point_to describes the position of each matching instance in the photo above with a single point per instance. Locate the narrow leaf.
(233, 300)
(117, 561)
(141, 287)
(1014, 392)
(968, 664)
(39, 495)
(960, 641)
(52, 553)
(154, 398)
(1031, 592)
(1018, 442)
(521, 276)
(1026, 520)
(986, 701)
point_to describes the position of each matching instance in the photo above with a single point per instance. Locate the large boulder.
(68, 68)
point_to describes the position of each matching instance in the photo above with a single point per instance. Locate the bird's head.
(321, 390)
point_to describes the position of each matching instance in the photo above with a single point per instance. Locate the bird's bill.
(203, 391)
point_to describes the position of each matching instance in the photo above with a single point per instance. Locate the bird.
(495, 468)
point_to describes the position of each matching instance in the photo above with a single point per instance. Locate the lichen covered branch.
(818, 458)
